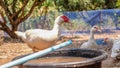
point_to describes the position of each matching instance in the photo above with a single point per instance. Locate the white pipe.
(35, 55)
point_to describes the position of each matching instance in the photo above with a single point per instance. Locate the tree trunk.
(10, 33)
(15, 16)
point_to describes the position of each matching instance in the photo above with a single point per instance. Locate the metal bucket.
(94, 61)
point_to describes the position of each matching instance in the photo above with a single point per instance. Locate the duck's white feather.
(39, 39)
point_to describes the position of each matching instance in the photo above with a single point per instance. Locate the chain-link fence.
(82, 21)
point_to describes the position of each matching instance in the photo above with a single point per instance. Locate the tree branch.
(0, 3)
(1, 28)
(6, 11)
(13, 6)
(36, 3)
(17, 13)
(2, 16)
(29, 13)
(3, 24)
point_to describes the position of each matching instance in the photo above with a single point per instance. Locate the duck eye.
(95, 27)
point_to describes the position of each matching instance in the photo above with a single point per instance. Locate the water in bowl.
(60, 59)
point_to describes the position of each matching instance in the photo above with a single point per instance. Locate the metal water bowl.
(94, 61)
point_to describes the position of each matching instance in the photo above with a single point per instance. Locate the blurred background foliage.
(74, 5)
(53, 8)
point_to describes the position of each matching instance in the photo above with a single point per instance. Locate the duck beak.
(104, 41)
(69, 21)
(100, 29)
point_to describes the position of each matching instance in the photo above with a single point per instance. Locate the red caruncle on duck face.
(106, 39)
(65, 18)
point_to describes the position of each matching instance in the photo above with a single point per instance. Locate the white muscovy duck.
(115, 46)
(91, 43)
(39, 39)
(116, 50)
(110, 42)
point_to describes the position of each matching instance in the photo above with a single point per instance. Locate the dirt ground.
(10, 50)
